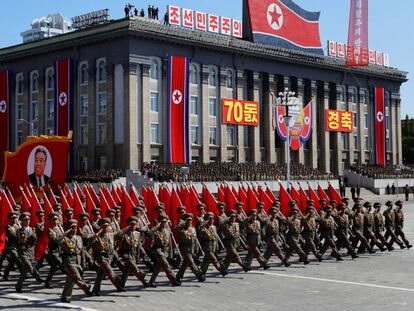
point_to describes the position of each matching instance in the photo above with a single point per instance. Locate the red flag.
(220, 194)
(252, 199)
(284, 198)
(134, 195)
(92, 193)
(263, 197)
(165, 197)
(333, 194)
(295, 196)
(186, 199)
(10, 197)
(303, 199)
(178, 120)
(236, 195)
(64, 201)
(5, 106)
(77, 207)
(116, 196)
(231, 199)
(103, 204)
(175, 203)
(35, 206)
(322, 195)
(152, 202)
(126, 206)
(313, 196)
(380, 126)
(195, 200)
(52, 197)
(25, 201)
(42, 238)
(357, 48)
(90, 205)
(243, 199)
(108, 196)
(270, 194)
(64, 97)
(209, 200)
(5, 208)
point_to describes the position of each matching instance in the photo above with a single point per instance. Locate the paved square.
(383, 281)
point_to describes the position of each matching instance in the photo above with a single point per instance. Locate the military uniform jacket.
(389, 219)
(25, 240)
(309, 224)
(11, 240)
(162, 242)
(327, 226)
(129, 243)
(103, 246)
(88, 236)
(55, 235)
(399, 219)
(187, 239)
(342, 222)
(272, 230)
(231, 232)
(379, 221)
(295, 228)
(221, 220)
(253, 232)
(200, 222)
(39, 227)
(358, 222)
(72, 250)
(208, 238)
(368, 221)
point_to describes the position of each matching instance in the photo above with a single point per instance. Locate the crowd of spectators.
(383, 172)
(199, 172)
(105, 176)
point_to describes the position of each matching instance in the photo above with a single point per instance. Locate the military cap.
(132, 219)
(273, 210)
(53, 216)
(96, 211)
(377, 204)
(12, 214)
(252, 212)
(17, 206)
(239, 204)
(357, 205)
(276, 203)
(68, 211)
(309, 209)
(231, 213)
(103, 222)
(83, 215)
(40, 212)
(201, 206)
(310, 202)
(221, 205)
(160, 208)
(292, 203)
(187, 216)
(25, 216)
(345, 199)
(180, 209)
(329, 208)
(388, 203)
(322, 200)
(162, 218)
(57, 206)
(398, 202)
(208, 216)
(71, 223)
(137, 209)
(110, 211)
(260, 204)
(366, 204)
(333, 201)
(117, 207)
(341, 206)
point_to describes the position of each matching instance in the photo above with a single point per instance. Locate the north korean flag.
(63, 96)
(4, 116)
(380, 126)
(283, 23)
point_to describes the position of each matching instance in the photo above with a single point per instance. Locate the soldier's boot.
(319, 257)
(407, 244)
(200, 277)
(36, 275)
(285, 262)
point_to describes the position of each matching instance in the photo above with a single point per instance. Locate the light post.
(287, 99)
(31, 124)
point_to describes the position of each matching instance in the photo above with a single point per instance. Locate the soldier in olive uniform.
(262, 217)
(96, 215)
(231, 233)
(342, 231)
(221, 219)
(130, 246)
(187, 241)
(358, 230)
(369, 228)
(55, 234)
(144, 232)
(73, 259)
(293, 236)
(209, 240)
(389, 217)
(25, 241)
(103, 245)
(253, 240)
(201, 213)
(272, 236)
(326, 228)
(162, 249)
(111, 213)
(379, 226)
(309, 231)
(88, 235)
(39, 229)
(399, 223)
(68, 215)
(10, 249)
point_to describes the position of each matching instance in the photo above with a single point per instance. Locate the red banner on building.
(380, 126)
(178, 144)
(357, 48)
(338, 121)
(4, 116)
(40, 161)
(240, 112)
(63, 97)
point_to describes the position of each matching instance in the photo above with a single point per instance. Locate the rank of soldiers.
(99, 244)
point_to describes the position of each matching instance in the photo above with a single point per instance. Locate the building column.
(146, 116)
(205, 139)
(241, 95)
(326, 148)
(223, 93)
(130, 116)
(92, 93)
(396, 135)
(110, 116)
(42, 103)
(361, 129)
(255, 131)
(337, 139)
(399, 133)
(301, 91)
(268, 115)
(314, 138)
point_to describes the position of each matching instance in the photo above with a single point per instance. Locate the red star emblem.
(275, 16)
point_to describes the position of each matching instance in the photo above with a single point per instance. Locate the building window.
(229, 79)
(212, 76)
(50, 109)
(102, 103)
(367, 144)
(355, 119)
(19, 138)
(84, 76)
(84, 105)
(35, 111)
(212, 107)
(20, 85)
(363, 99)
(230, 135)
(154, 70)
(19, 111)
(50, 80)
(213, 135)
(84, 134)
(352, 97)
(194, 135)
(35, 82)
(154, 133)
(356, 142)
(193, 74)
(366, 120)
(102, 162)
(154, 101)
(84, 164)
(194, 105)
(101, 134)
(102, 72)
(345, 141)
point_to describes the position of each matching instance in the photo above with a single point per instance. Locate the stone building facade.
(120, 91)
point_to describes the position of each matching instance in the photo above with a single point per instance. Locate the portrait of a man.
(39, 178)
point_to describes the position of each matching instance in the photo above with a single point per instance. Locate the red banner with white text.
(357, 48)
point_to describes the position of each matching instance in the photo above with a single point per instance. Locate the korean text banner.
(283, 23)
(357, 48)
(339, 121)
(178, 119)
(4, 116)
(63, 97)
(240, 112)
(40, 161)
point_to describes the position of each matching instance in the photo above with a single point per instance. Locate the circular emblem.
(307, 120)
(275, 16)
(380, 116)
(63, 99)
(281, 119)
(177, 97)
(3, 106)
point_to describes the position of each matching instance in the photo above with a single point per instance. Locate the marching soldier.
(68, 214)
(96, 215)
(342, 231)
(221, 219)
(369, 228)
(389, 217)
(399, 223)
(162, 250)
(262, 217)
(73, 259)
(103, 245)
(201, 213)
(293, 236)
(327, 227)
(11, 245)
(187, 238)
(253, 240)
(358, 230)
(25, 241)
(379, 226)
(241, 217)
(130, 246)
(208, 239)
(55, 234)
(114, 224)
(231, 233)
(272, 237)
(88, 235)
(144, 232)
(309, 231)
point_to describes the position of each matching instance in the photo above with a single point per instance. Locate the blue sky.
(391, 25)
